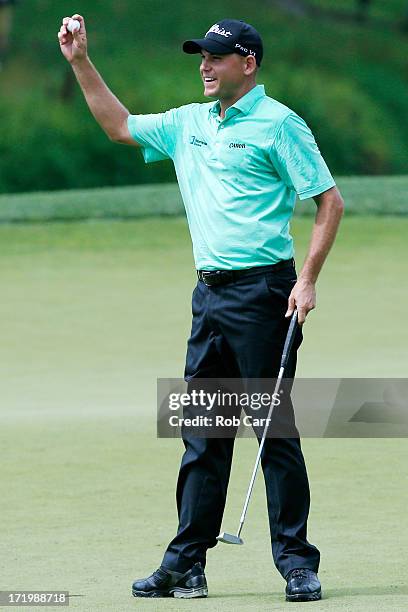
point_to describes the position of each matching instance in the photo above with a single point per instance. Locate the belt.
(213, 278)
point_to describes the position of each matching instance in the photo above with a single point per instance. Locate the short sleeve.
(297, 159)
(157, 133)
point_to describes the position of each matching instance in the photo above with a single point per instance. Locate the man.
(240, 162)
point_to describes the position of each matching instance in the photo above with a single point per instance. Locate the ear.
(250, 65)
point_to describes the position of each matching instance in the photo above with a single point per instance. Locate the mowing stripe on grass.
(362, 195)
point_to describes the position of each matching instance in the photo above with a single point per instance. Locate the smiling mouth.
(208, 80)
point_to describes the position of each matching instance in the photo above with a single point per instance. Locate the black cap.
(228, 36)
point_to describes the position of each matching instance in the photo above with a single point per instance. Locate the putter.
(229, 538)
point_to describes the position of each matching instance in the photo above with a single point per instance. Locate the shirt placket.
(221, 124)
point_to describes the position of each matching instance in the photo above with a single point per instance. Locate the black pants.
(238, 330)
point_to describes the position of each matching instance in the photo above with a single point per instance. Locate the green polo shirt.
(238, 176)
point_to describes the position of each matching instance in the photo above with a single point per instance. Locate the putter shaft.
(285, 355)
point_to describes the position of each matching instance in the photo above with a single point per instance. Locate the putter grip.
(289, 339)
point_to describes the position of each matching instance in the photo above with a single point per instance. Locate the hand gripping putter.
(229, 538)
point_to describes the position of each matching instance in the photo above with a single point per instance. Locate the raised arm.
(108, 111)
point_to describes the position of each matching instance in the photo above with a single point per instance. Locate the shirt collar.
(245, 103)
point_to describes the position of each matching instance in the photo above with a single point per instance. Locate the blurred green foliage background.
(348, 79)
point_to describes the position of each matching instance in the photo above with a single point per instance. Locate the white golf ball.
(73, 25)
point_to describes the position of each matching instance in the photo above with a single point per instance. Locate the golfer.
(240, 160)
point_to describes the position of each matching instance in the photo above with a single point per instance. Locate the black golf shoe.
(166, 583)
(303, 585)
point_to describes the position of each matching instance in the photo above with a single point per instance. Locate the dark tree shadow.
(361, 14)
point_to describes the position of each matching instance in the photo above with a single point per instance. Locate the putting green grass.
(92, 313)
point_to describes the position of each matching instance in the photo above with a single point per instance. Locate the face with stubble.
(226, 76)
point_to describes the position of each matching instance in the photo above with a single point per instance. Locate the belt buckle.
(204, 275)
(216, 275)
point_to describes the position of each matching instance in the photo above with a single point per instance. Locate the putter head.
(229, 538)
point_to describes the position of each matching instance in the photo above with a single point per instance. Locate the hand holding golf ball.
(72, 38)
(73, 26)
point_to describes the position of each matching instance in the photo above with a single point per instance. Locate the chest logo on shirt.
(195, 141)
(237, 145)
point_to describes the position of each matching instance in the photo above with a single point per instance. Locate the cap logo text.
(217, 30)
(244, 49)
